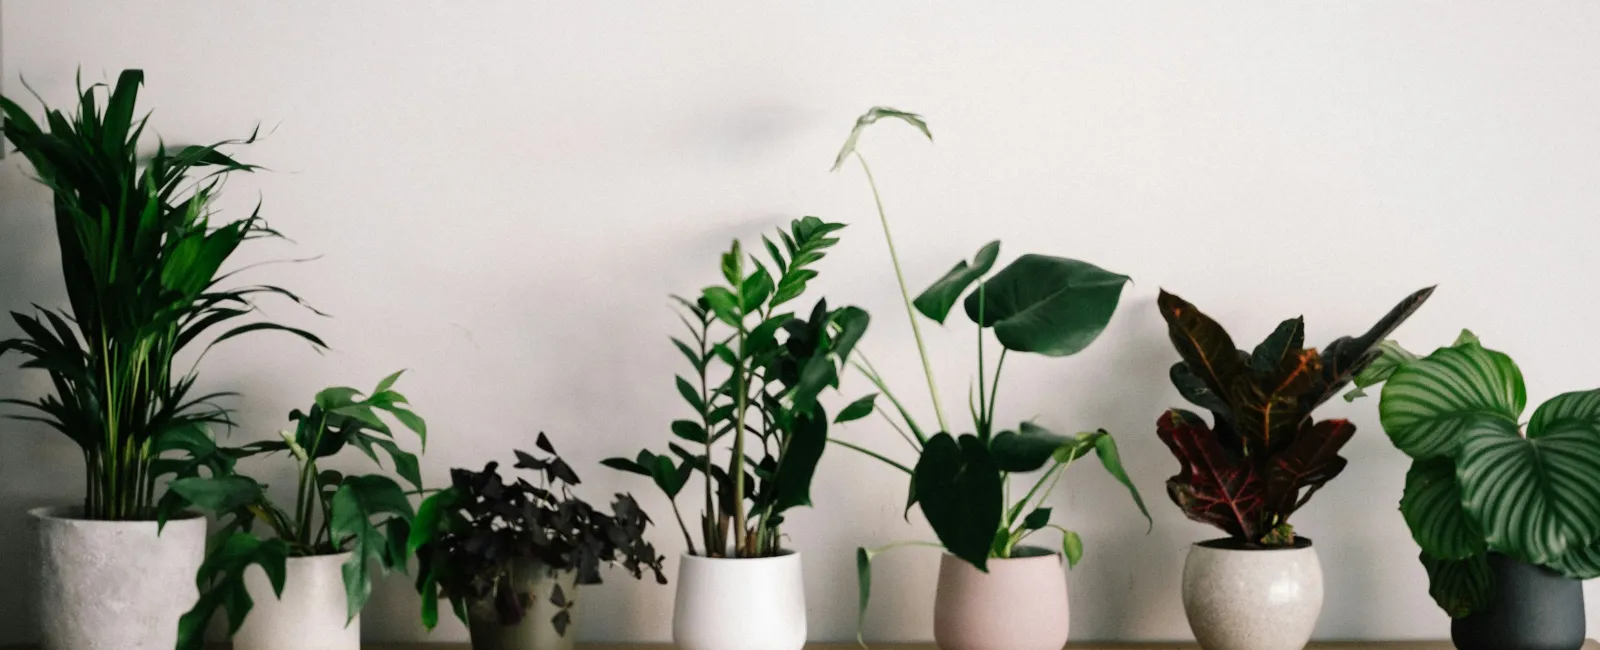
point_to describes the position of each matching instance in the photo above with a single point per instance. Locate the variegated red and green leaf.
(1268, 413)
(1347, 356)
(1204, 345)
(1306, 465)
(1213, 485)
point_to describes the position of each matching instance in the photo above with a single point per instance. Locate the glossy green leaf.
(1037, 519)
(1031, 446)
(867, 119)
(354, 518)
(856, 410)
(1048, 305)
(1105, 447)
(691, 431)
(1460, 587)
(798, 464)
(960, 491)
(221, 583)
(1433, 510)
(936, 301)
(1428, 405)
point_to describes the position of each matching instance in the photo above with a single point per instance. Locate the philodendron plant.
(142, 261)
(758, 370)
(367, 515)
(476, 541)
(1264, 454)
(1038, 304)
(1482, 481)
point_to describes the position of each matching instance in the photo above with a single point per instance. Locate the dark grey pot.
(1534, 608)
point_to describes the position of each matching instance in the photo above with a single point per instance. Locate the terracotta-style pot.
(1532, 608)
(309, 616)
(1262, 599)
(115, 585)
(740, 604)
(1020, 604)
(534, 631)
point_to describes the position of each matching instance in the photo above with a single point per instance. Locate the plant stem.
(994, 387)
(984, 419)
(911, 312)
(681, 526)
(871, 453)
(740, 535)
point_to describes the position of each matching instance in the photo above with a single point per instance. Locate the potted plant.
(758, 433)
(1507, 515)
(508, 558)
(142, 259)
(303, 583)
(1262, 458)
(995, 592)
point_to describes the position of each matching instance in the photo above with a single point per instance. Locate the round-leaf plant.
(1040, 304)
(1482, 483)
(368, 515)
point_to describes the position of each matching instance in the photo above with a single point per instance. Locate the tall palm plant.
(142, 261)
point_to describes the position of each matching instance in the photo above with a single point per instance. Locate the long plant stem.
(739, 532)
(905, 294)
(871, 453)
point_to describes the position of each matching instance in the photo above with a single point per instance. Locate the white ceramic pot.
(115, 585)
(534, 631)
(1020, 604)
(740, 604)
(1252, 599)
(309, 616)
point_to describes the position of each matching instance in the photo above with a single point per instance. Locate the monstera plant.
(1481, 481)
(758, 369)
(1037, 304)
(1263, 455)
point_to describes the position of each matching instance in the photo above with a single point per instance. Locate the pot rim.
(74, 515)
(1046, 555)
(1228, 545)
(342, 555)
(782, 556)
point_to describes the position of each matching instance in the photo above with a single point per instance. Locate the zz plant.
(366, 515)
(757, 427)
(1482, 481)
(142, 259)
(1038, 304)
(1264, 454)
(478, 542)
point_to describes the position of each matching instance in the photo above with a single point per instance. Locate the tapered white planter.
(309, 616)
(1252, 599)
(740, 604)
(1020, 604)
(115, 585)
(534, 631)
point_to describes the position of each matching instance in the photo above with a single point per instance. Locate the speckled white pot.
(309, 616)
(1020, 604)
(740, 604)
(1252, 599)
(115, 585)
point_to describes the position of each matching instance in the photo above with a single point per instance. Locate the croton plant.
(1264, 454)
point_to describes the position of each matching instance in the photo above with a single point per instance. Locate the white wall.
(504, 195)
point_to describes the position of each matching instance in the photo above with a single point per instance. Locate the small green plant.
(368, 515)
(758, 370)
(143, 261)
(1481, 481)
(1051, 306)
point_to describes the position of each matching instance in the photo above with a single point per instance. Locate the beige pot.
(1252, 599)
(1020, 604)
(534, 631)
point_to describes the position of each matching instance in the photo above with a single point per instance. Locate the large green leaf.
(935, 302)
(960, 490)
(221, 583)
(1432, 508)
(1536, 497)
(1048, 305)
(1428, 405)
(1460, 587)
(360, 506)
(798, 463)
(1031, 446)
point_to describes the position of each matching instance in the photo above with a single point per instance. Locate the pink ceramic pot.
(1020, 604)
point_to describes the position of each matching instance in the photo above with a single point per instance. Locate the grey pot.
(1533, 608)
(534, 631)
(1240, 599)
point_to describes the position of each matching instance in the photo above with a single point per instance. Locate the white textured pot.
(309, 616)
(534, 631)
(1020, 604)
(115, 585)
(1252, 599)
(740, 604)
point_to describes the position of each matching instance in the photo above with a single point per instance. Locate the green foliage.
(758, 371)
(1480, 482)
(1051, 306)
(368, 516)
(142, 262)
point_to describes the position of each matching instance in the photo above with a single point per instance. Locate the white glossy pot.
(1265, 599)
(1020, 604)
(740, 604)
(115, 585)
(309, 616)
(534, 631)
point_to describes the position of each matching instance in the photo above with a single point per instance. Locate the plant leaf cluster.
(478, 542)
(366, 515)
(1264, 455)
(142, 259)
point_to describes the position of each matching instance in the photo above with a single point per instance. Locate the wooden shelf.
(1364, 645)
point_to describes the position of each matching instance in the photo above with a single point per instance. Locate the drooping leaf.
(1031, 446)
(354, 518)
(221, 583)
(936, 301)
(867, 119)
(1071, 547)
(960, 491)
(1047, 305)
(1105, 447)
(1428, 405)
(798, 463)
(1212, 486)
(1433, 510)
(1460, 587)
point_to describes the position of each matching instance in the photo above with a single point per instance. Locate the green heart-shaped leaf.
(1432, 509)
(1428, 405)
(960, 491)
(1052, 306)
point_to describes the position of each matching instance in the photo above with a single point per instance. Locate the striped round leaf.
(1432, 508)
(1460, 587)
(1581, 563)
(1536, 497)
(1427, 405)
